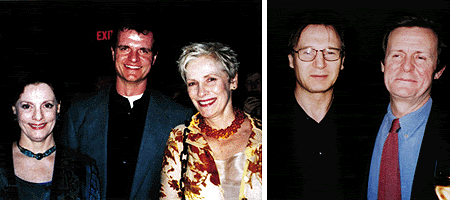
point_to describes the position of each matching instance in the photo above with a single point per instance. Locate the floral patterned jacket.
(202, 177)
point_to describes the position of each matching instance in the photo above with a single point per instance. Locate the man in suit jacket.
(125, 127)
(413, 48)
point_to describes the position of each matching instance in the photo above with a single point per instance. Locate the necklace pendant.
(39, 156)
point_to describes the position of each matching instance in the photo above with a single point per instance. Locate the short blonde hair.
(215, 50)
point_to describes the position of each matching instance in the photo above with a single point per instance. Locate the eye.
(145, 51)
(190, 84)
(123, 48)
(307, 51)
(48, 105)
(211, 79)
(421, 57)
(25, 106)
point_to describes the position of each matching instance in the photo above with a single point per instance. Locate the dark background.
(365, 25)
(359, 90)
(60, 39)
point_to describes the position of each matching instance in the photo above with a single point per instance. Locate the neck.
(316, 105)
(401, 107)
(37, 147)
(126, 88)
(222, 121)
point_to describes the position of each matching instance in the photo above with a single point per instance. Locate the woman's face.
(36, 112)
(209, 87)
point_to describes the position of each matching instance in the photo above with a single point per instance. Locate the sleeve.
(171, 166)
(92, 182)
(68, 136)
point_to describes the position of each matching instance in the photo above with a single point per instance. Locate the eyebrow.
(329, 47)
(46, 101)
(415, 52)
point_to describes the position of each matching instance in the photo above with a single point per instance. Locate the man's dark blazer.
(435, 146)
(86, 129)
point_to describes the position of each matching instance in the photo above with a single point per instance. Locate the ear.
(291, 61)
(438, 74)
(58, 108)
(342, 63)
(113, 53)
(14, 110)
(154, 58)
(234, 82)
(382, 67)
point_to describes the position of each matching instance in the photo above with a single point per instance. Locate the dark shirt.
(310, 160)
(125, 129)
(33, 191)
(75, 176)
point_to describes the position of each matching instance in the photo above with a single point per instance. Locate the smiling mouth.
(319, 76)
(38, 126)
(405, 80)
(133, 67)
(208, 102)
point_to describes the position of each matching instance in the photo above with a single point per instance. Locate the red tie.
(389, 180)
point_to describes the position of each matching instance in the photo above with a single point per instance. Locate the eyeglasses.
(308, 54)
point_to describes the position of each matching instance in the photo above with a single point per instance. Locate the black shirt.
(310, 160)
(125, 130)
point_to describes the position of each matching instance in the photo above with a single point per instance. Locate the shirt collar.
(410, 122)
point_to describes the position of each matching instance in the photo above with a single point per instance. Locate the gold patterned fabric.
(202, 175)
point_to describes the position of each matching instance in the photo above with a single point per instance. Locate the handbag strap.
(184, 161)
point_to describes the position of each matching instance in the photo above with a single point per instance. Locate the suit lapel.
(152, 146)
(96, 144)
(434, 145)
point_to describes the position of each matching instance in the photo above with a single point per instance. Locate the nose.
(319, 61)
(133, 56)
(201, 91)
(37, 115)
(408, 64)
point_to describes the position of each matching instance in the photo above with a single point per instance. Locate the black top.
(125, 129)
(310, 160)
(75, 176)
(33, 190)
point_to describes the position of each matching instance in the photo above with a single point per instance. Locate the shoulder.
(73, 158)
(91, 99)
(169, 105)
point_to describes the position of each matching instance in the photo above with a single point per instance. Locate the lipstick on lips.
(37, 126)
(206, 102)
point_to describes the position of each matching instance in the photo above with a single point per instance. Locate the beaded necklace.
(223, 133)
(38, 156)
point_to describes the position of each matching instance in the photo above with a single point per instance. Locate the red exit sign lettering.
(104, 35)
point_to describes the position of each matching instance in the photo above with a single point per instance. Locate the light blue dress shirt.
(409, 141)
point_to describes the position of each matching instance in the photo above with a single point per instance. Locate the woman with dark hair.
(34, 167)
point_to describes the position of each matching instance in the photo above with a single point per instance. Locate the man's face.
(410, 63)
(318, 75)
(133, 56)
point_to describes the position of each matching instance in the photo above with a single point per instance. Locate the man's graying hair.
(414, 21)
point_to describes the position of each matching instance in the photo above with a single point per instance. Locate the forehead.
(130, 37)
(415, 38)
(203, 65)
(37, 92)
(319, 35)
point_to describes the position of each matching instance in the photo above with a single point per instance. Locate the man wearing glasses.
(317, 58)
(312, 121)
